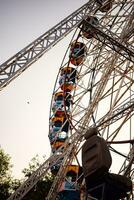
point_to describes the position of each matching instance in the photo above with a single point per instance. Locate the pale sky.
(24, 126)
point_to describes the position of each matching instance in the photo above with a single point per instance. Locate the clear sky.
(25, 103)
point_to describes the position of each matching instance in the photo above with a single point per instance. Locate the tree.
(42, 188)
(5, 175)
(8, 184)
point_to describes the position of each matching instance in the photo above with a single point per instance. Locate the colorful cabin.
(60, 113)
(60, 124)
(72, 172)
(56, 145)
(87, 31)
(69, 188)
(75, 171)
(105, 5)
(59, 99)
(58, 102)
(57, 123)
(78, 52)
(68, 74)
(68, 86)
(74, 168)
(67, 79)
(57, 136)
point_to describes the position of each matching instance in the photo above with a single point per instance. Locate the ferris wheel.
(94, 88)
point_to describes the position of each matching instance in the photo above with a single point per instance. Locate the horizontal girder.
(30, 54)
(118, 113)
(112, 41)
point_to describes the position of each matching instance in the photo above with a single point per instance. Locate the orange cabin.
(60, 124)
(61, 100)
(78, 52)
(67, 70)
(74, 168)
(55, 119)
(68, 74)
(67, 78)
(60, 96)
(68, 87)
(57, 144)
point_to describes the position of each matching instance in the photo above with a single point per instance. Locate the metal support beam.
(113, 42)
(35, 177)
(120, 112)
(129, 161)
(45, 167)
(30, 54)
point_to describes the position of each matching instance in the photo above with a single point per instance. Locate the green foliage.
(5, 175)
(14, 184)
(33, 165)
(8, 184)
(4, 190)
(40, 191)
(4, 165)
